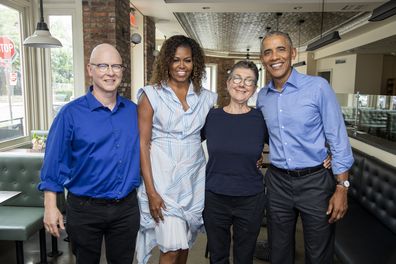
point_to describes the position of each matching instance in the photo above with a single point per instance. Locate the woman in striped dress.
(171, 113)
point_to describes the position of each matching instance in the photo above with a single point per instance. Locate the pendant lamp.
(41, 37)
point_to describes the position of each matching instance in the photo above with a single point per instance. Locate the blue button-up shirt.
(93, 151)
(301, 119)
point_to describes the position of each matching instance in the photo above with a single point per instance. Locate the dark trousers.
(244, 214)
(307, 196)
(89, 220)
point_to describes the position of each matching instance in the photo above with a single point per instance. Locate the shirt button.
(285, 143)
(280, 110)
(283, 127)
(289, 159)
(120, 161)
(118, 145)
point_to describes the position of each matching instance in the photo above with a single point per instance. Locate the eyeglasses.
(104, 67)
(247, 81)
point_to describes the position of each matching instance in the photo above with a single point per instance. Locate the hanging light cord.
(321, 23)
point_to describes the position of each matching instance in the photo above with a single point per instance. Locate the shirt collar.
(94, 104)
(292, 82)
(169, 89)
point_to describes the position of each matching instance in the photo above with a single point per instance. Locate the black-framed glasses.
(238, 80)
(104, 67)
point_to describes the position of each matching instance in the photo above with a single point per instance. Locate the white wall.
(368, 73)
(137, 59)
(342, 75)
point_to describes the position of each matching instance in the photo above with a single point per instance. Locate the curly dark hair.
(166, 55)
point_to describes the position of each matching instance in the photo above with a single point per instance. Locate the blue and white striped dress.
(178, 168)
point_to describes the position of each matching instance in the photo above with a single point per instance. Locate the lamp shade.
(383, 11)
(42, 39)
(330, 38)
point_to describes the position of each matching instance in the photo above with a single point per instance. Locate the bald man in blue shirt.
(303, 116)
(93, 152)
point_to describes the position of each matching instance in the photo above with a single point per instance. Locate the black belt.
(101, 201)
(299, 172)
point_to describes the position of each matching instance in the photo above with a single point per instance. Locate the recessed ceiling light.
(206, 7)
(297, 7)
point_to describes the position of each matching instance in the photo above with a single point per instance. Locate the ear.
(228, 84)
(293, 53)
(89, 70)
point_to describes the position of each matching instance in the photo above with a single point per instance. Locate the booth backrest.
(374, 185)
(21, 172)
(355, 173)
(378, 193)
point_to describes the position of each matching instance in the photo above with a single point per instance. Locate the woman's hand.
(260, 162)
(327, 162)
(156, 204)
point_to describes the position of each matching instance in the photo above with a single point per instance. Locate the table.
(5, 195)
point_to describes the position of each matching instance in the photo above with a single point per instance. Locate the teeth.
(276, 65)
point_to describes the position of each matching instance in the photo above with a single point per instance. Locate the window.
(65, 79)
(62, 74)
(211, 77)
(12, 102)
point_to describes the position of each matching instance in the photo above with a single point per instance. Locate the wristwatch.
(345, 183)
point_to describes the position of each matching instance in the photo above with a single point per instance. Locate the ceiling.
(231, 27)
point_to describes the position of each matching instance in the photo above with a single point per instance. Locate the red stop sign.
(7, 48)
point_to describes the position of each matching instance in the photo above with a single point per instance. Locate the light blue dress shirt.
(301, 119)
(93, 151)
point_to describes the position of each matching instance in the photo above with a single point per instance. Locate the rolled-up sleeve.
(334, 129)
(57, 159)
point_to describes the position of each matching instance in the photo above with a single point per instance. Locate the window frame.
(36, 64)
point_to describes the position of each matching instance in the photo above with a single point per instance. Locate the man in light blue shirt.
(303, 116)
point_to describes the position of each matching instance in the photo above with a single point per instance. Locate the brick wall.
(149, 47)
(223, 65)
(107, 21)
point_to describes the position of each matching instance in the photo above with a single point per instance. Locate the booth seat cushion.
(362, 239)
(19, 223)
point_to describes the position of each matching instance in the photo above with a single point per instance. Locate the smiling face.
(277, 54)
(108, 81)
(181, 67)
(241, 85)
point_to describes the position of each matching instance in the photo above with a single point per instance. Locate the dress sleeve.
(150, 92)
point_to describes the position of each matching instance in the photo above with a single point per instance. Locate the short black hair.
(276, 33)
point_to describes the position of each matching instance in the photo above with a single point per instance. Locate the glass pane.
(62, 73)
(12, 104)
(207, 81)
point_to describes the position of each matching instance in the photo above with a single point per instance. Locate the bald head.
(105, 52)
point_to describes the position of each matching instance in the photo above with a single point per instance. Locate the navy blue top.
(235, 143)
(93, 151)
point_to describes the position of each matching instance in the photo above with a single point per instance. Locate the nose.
(181, 64)
(274, 55)
(110, 70)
